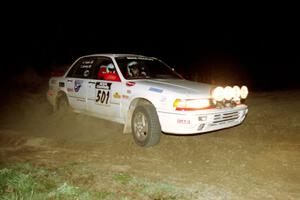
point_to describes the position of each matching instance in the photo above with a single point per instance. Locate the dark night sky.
(261, 52)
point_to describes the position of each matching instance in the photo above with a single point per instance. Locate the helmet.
(132, 63)
(131, 67)
(110, 67)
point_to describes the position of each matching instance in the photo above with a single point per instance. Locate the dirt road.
(259, 159)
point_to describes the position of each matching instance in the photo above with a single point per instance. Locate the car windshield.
(144, 67)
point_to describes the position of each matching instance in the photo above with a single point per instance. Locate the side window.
(83, 68)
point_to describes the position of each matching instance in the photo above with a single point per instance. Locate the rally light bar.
(230, 93)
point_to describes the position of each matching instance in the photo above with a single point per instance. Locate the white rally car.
(147, 96)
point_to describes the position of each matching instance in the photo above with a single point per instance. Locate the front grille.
(225, 117)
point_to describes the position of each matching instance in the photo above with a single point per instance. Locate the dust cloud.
(256, 160)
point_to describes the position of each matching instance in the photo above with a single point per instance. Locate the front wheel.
(145, 126)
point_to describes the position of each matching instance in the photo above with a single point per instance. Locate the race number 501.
(102, 96)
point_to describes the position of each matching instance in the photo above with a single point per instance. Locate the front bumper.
(191, 122)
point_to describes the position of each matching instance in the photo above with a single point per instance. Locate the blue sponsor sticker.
(155, 90)
(77, 85)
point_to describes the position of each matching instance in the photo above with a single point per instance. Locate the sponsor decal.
(86, 73)
(77, 85)
(128, 91)
(86, 62)
(152, 89)
(125, 96)
(117, 95)
(103, 92)
(103, 85)
(183, 121)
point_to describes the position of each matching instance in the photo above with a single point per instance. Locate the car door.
(104, 91)
(77, 83)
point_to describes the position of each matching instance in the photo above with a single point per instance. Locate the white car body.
(115, 100)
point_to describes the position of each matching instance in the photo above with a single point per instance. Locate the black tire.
(63, 104)
(145, 126)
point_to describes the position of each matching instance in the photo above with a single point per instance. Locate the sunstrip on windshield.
(138, 58)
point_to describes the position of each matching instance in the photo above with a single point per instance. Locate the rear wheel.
(145, 126)
(63, 104)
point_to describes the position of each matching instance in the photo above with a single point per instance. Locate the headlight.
(244, 92)
(218, 93)
(191, 104)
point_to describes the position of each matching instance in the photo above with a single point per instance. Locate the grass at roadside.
(76, 181)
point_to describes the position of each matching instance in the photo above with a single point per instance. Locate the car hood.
(181, 86)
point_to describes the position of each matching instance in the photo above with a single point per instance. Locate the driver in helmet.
(111, 73)
(133, 69)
